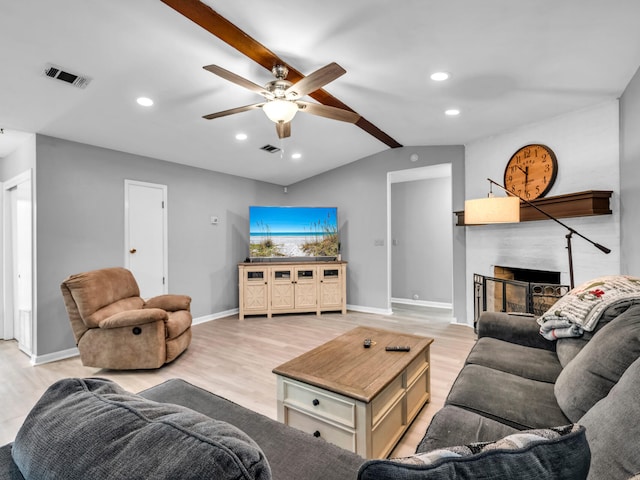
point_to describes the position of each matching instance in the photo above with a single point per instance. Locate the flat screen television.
(293, 232)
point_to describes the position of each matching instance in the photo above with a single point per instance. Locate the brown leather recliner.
(115, 328)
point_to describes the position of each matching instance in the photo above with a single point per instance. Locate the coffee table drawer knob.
(316, 434)
(316, 402)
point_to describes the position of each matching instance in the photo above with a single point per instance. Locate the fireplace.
(516, 290)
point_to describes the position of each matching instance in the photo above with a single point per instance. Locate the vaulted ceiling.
(511, 63)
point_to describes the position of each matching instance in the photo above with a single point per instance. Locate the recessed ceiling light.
(144, 101)
(241, 136)
(296, 156)
(440, 76)
(452, 112)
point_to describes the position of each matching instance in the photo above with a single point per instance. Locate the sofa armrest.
(130, 318)
(169, 302)
(514, 328)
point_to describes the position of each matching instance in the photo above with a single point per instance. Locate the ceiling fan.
(283, 97)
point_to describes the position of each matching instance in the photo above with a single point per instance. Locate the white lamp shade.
(492, 210)
(280, 110)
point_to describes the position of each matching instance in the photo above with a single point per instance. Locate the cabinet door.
(305, 291)
(330, 287)
(255, 289)
(282, 288)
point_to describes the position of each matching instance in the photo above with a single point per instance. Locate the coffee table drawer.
(331, 433)
(417, 394)
(320, 403)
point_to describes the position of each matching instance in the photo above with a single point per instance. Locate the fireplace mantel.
(580, 204)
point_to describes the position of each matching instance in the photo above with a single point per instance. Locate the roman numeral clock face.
(531, 171)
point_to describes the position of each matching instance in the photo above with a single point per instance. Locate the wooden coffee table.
(362, 399)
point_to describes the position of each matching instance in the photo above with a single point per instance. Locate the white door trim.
(127, 255)
(6, 320)
(420, 173)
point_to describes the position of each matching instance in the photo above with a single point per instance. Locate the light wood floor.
(233, 358)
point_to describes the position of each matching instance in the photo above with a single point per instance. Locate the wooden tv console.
(292, 287)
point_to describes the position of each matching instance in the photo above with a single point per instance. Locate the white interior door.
(146, 236)
(18, 264)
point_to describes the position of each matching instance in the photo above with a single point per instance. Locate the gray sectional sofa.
(513, 388)
(514, 380)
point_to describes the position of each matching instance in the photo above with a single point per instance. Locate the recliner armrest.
(130, 318)
(519, 329)
(169, 302)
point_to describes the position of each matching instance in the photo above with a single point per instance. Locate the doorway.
(18, 261)
(420, 241)
(146, 236)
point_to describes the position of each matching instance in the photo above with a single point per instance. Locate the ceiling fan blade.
(283, 129)
(328, 112)
(315, 80)
(238, 80)
(231, 111)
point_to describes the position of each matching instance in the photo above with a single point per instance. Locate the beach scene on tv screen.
(293, 232)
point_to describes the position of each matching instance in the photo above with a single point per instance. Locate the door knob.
(133, 250)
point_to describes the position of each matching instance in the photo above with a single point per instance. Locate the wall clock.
(531, 171)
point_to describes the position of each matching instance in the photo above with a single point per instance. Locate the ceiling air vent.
(270, 148)
(53, 71)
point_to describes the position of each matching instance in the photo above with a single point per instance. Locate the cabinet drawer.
(417, 395)
(387, 432)
(320, 404)
(385, 399)
(416, 367)
(333, 434)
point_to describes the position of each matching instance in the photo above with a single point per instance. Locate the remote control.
(397, 349)
(367, 342)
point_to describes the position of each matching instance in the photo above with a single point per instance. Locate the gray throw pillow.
(561, 453)
(598, 366)
(92, 428)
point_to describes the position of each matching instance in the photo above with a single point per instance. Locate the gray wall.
(21, 160)
(359, 190)
(422, 247)
(629, 175)
(80, 226)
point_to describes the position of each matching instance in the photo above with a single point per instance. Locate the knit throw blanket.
(580, 309)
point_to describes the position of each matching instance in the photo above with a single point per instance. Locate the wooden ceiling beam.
(216, 24)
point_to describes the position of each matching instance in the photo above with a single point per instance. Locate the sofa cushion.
(169, 302)
(178, 323)
(519, 402)
(123, 305)
(453, 425)
(591, 374)
(568, 348)
(613, 429)
(558, 453)
(293, 454)
(8, 469)
(100, 431)
(96, 289)
(528, 362)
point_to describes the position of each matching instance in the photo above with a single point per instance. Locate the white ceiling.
(512, 63)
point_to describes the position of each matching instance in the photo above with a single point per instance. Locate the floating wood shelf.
(580, 204)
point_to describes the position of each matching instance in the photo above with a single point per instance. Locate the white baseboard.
(378, 311)
(54, 357)
(73, 352)
(422, 303)
(214, 316)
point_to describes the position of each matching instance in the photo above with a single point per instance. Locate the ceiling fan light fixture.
(280, 111)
